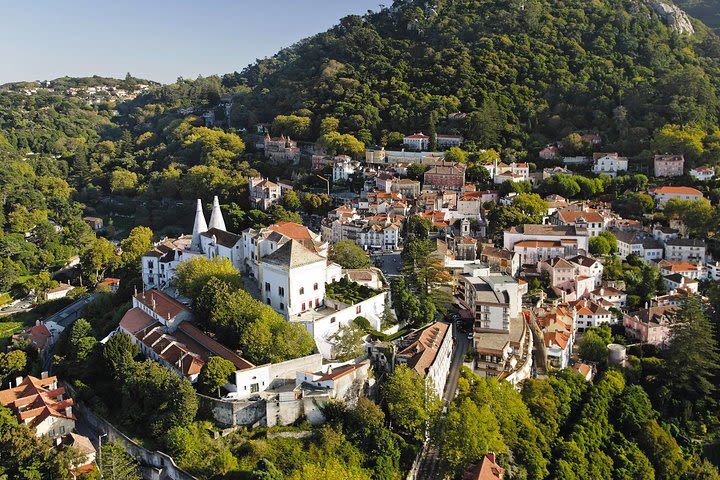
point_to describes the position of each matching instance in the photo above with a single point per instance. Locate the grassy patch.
(11, 325)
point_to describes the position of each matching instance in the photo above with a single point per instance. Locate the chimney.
(68, 411)
(153, 302)
(18, 381)
(44, 375)
(37, 323)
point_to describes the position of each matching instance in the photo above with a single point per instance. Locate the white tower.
(465, 227)
(216, 218)
(199, 227)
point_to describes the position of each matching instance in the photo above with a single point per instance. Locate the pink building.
(669, 165)
(650, 325)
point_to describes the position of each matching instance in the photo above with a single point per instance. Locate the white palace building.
(286, 261)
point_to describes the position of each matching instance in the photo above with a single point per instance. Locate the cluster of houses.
(43, 405)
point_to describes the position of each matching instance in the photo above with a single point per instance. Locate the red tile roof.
(669, 190)
(161, 303)
(36, 399)
(292, 230)
(135, 320)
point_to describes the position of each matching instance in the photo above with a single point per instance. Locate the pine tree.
(693, 362)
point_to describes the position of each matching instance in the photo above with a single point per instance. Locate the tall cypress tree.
(693, 363)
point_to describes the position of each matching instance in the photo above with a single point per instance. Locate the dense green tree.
(193, 274)
(138, 242)
(291, 201)
(115, 464)
(411, 404)
(599, 246)
(592, 348)
(119, 351)
(214, 374)
(348, 255)
(292, 126)
(693, 362)
(467, 433)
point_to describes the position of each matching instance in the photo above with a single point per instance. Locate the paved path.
(389, 263)
(66, 317)
(431, 465)
(72, 312)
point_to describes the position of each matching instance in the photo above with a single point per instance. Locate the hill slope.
(532, 69)
(708, 11)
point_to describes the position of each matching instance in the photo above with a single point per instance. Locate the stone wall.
(155, 465)
(233, 412)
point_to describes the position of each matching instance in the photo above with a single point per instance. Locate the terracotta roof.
(487, 470)
(583, 260)
(677, 265)
(555, 230)
(557, 338)
(559, 262)
(36, 399)
(135, 320)
(420, 347)
(538, 244)
(339, 372)
(572, 216)
(292, 230)
(212, 346)
(495, 252)
(110, 281)
(161, 303)
(63, 287)
(669, 190)
(417, 135)
(588, 307)
(582, 369)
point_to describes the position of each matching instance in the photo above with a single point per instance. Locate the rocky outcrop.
(673, 16)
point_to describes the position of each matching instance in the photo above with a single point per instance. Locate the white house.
(702, 173)
(448, 141)
(608, 295)
(677, 281)
(686, 249)
(572, 240)
(343, 168)
(591, 314)
(588, 267)
(594, 221)
(428, 351)
(609, 164)
(417, 141)
(663, 194)
(636, 243)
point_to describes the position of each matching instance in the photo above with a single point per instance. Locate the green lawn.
(8, 329)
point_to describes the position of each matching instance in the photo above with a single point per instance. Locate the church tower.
(465, 227)
(199, 227)
(216, 218)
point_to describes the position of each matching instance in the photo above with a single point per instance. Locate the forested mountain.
(527, 71)
(706, 10)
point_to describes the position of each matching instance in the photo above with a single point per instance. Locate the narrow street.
(430, 465)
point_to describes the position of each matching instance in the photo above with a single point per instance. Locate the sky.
(158, 40)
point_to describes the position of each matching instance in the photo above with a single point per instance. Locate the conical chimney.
(216, 218)
(199, 227)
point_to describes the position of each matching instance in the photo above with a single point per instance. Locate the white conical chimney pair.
(200, 226)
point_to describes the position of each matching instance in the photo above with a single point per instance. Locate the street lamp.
(100, 445)
(326, 181)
